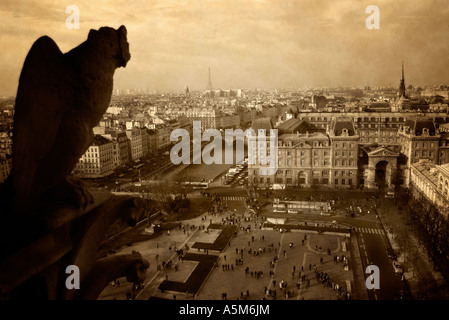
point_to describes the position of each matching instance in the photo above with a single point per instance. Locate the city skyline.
(248, 44)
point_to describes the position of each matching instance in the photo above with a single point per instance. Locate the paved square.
(293, 262)
(252, 266)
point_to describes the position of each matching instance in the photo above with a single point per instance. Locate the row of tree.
(432, 226)
(170, 195)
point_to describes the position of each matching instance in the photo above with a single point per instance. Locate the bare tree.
(253, 187)
(181, 187)
(161, 192)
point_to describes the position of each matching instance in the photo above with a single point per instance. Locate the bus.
(199, 185)
(137, 166)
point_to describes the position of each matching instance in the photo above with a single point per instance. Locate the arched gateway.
(381, 169)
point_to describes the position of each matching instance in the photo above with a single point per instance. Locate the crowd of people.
(325, 281)
(258, 245)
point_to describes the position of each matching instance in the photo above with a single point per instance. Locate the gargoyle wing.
(39, 109)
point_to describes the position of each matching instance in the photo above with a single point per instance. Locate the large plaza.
(255, 263)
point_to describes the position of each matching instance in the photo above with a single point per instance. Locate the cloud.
(246, 43)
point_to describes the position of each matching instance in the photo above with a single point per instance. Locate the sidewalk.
(411, 276)
(360, 291)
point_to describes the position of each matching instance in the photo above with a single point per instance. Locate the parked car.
(391, 254)
(397, 267)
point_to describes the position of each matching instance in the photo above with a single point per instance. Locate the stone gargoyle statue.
(49, 219)
(60, 98)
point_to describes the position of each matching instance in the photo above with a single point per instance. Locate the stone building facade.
(350, 151)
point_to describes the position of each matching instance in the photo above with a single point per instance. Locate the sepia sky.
(246, 43)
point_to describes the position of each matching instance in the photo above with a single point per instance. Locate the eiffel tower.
(209, 85)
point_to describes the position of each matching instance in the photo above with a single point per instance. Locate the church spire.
(403, 72)
(402, 84)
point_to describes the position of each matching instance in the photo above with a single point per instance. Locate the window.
(342, 181)
(336, 181)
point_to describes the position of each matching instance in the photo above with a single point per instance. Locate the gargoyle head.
(112, 43)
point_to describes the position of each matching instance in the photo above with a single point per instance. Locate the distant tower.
(402, 85)
(209, 84)
(187, 91)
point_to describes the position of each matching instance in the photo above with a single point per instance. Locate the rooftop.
(262, 123)
(342, 123)
(99, 140)
(293, 125)
(427, 169)
(418, 124)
